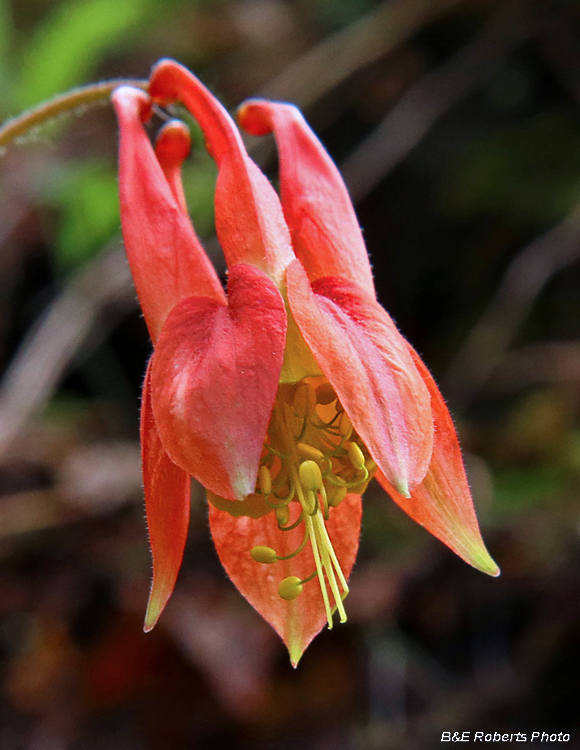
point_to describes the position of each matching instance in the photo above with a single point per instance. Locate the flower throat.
(312, 458)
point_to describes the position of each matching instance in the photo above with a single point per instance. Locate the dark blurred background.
(457, 126)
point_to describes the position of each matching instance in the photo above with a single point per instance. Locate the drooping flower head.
(287, 395)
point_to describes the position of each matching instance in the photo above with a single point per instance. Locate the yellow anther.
(264, 555)
(336, 495)
(356, 456)
(303, 402)
(282, 515)
(325, 394)
(308, 451)
(290, 588)
(310, 476)
(265, 480)
(345, 426)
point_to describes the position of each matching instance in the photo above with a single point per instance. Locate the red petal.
(298, 621)
(367, 361)
(442, 502)
(167, 501)
(249, 220)
(317, 207)
(214, 380)
(167, 261)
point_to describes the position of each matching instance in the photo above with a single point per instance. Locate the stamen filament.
(275, 452)
(329, 570)
(325, 511)
(313, 542)
(320, 424)
(294, 525)
(302, 431)
(324, 438)
(283, 502)
(359, 480)
(289, 496)
(336, 481)
(336, 564)
(298, 550)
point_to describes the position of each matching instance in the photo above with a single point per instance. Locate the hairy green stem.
(79, 97)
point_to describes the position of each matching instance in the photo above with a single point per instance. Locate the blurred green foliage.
(516, 489)
(63, 49)
(337, 13)
(6, 33)
(199, 176)
(86, 195)
(88, 200)
(527, 173)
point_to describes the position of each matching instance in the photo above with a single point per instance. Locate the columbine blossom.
(287, 395)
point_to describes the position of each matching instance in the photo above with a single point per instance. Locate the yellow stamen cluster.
(313, 458)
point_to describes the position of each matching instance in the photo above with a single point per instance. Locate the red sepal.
(214, 379)
(249, 220)
(442, 502)
(167, 260)
(317, 207)
(300, 620)
(367, 361)
(167, 503)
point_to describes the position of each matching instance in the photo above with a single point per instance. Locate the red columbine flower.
(286, 396)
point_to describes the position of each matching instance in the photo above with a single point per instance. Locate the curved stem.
(18, 126)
